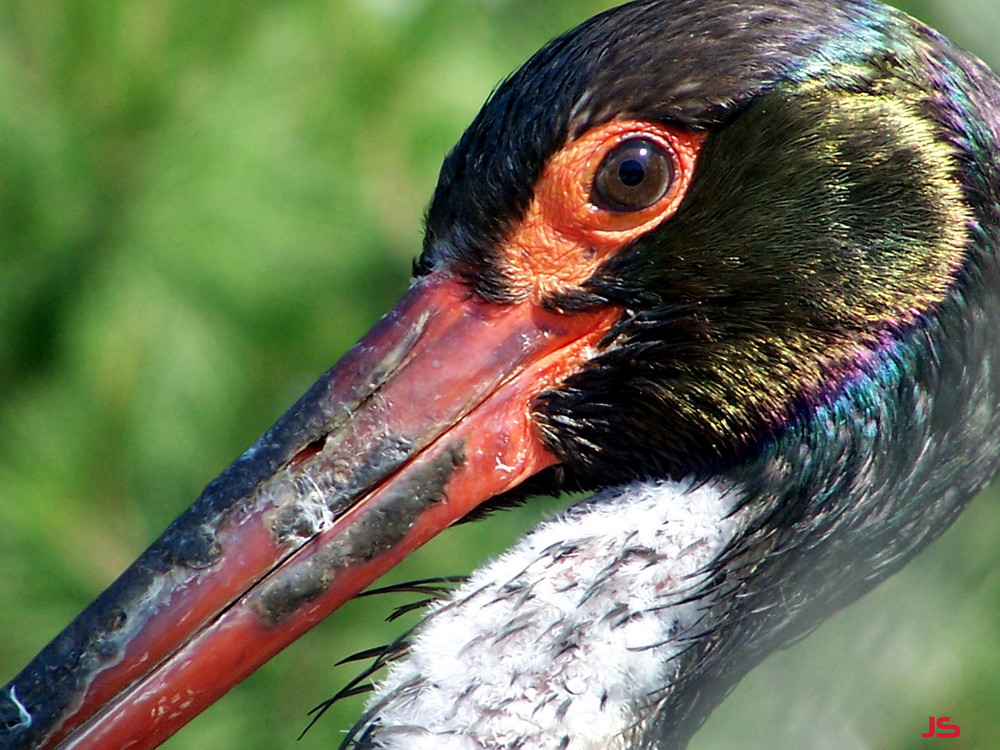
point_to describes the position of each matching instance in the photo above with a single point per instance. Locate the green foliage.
(202, 205)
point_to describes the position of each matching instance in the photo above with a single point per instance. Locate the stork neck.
(572, 638)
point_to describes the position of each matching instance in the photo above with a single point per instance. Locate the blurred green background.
(202, 205)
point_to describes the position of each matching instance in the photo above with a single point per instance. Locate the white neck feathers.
(568, 639)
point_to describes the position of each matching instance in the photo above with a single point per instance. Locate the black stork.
(730, 265)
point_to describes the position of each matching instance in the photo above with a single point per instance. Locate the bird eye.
(633, 176)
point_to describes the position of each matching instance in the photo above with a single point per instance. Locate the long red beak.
(425, 418)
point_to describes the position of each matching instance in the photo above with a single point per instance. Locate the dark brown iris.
(633, 176)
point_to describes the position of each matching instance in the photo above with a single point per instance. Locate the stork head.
(751, 244)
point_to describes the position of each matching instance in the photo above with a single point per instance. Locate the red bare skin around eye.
(563, 237)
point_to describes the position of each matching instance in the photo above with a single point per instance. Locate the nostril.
(310, 450)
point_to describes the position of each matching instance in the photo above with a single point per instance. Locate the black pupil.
(631, 172)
